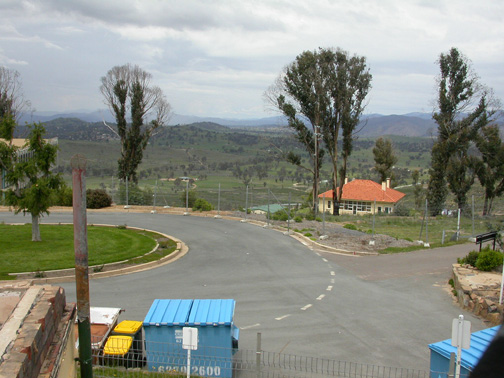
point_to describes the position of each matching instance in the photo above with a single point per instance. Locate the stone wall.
(479, 292)
(38, 333)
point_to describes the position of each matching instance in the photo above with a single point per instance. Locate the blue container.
(217, 336)
(440, 353)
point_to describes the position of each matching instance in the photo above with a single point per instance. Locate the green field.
(56, 250)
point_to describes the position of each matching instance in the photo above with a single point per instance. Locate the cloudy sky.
(217, 57)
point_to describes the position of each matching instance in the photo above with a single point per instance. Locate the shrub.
(470, 259)
(401, 210)
(280, 215)
(310, 217)
(64, 196)
(350, 226)
(488, 260)
(298, 219)
(97, 199)
(318, 219)
(202, 205)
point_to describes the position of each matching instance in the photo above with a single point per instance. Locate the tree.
(462, 109)
(384, 158)
(489, 167)
(12, 101)
(34, 186)
(127, 89)
(418, 190)
(321, 93)
(296, 94)
(351, 82)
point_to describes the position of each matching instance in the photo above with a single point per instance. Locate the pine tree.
(384, 158)
(33, 185)
(458, 92)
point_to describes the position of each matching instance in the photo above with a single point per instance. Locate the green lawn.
(56, 250)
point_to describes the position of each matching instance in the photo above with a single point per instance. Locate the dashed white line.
(329, 288)
(251, 326)
(320, 297)
(306, 307)
(324, 260)
(282, 317)
(333, 273)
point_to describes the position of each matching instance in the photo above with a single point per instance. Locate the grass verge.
(56, 250)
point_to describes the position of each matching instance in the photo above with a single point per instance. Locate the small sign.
(461, 333)
(178, 336)
(190, 338)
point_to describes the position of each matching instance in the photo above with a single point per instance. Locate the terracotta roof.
(366, 190)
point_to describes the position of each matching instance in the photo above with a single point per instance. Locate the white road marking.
(333, 280)
(306, 307)
(320, 297)
(333, 273)
(282, 317)
(324, 260)
(329, 288)
(251, 326)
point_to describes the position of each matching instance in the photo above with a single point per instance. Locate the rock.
(489, 303)
(494, 318)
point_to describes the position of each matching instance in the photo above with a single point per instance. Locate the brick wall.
(41, 338)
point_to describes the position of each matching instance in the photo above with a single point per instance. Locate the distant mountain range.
(373, 125)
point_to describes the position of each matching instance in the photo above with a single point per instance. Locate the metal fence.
(165, 359)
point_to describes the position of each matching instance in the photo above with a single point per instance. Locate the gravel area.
(338, 236)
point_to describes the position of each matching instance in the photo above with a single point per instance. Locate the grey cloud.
(176, 15)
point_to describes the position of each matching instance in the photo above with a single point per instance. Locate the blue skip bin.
(440, 353)
(217, 336)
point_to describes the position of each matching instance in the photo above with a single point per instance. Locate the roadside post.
(78, 163)
(461, 338)
(189, 342)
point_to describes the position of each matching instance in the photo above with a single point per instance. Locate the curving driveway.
(381, 310)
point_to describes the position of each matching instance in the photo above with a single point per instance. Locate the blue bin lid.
(479, 343)
(212, 312)
(168, 312)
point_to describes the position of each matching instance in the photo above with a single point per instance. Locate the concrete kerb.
(180, 251)
(304, 239)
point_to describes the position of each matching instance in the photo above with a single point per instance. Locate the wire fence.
(157, 359)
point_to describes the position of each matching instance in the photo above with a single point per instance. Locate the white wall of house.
(356, 207)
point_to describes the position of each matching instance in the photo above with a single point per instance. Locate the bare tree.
(12, 101)
(139, 109)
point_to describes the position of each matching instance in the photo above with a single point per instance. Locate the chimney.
(346, 180)
(383, 186)
(388, 183)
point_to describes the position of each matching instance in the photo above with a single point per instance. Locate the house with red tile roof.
(360, 196)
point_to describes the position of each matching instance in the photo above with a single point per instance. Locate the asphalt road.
(381, 310)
